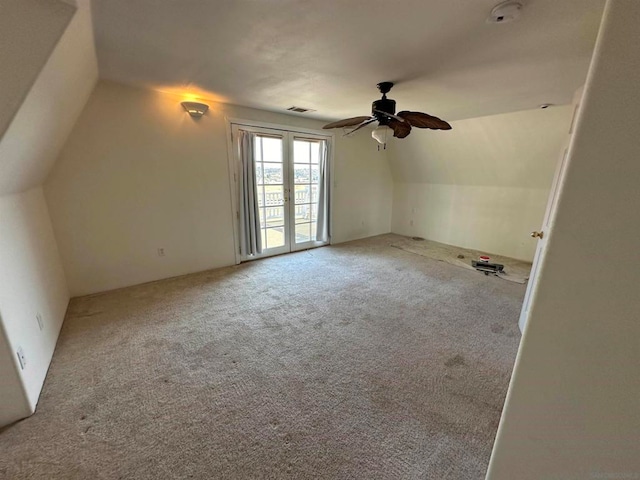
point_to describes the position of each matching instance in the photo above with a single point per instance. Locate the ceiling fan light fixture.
(381, 133)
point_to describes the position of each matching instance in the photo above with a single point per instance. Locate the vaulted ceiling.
(328, 55)
(29, 31)
(52, 77)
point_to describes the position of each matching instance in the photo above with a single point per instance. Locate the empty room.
(319, 239)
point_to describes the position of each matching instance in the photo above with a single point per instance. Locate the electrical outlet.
(161, 252)
(39, 319)
(22, 360)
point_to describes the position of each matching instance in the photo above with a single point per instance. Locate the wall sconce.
(196, 110)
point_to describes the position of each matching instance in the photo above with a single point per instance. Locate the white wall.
(572, 408)
(138, 173)
(29, 30)
(363, 188)
(13, 397)
(32, 281)
(491, 219)
(31, 276)
(483, 185)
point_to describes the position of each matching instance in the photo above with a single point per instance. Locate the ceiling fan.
(384, 112)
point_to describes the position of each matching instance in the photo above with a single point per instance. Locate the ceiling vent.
(300, 109)
(505, 12)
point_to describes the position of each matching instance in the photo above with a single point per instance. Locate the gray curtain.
(250, 238)
(322, 233)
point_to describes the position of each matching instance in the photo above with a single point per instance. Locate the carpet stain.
(455, 361)
(497, 328)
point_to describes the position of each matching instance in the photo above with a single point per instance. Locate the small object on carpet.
(485, 267)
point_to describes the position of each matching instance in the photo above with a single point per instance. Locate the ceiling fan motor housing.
(383, 105)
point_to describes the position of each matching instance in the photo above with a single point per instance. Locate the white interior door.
(545, 232)
(287, 176)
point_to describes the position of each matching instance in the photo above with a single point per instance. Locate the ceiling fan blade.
(400, 129)
(423, 120)
(347, 122)
(363, 124)
(390, 115)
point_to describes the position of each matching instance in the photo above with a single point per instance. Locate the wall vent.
(300, 109)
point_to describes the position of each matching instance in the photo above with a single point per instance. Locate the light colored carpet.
(514, 270)
(357, 361)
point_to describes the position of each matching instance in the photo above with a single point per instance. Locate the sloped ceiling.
(519, 149)
(29, 31)
(39, 128)
(328, 55)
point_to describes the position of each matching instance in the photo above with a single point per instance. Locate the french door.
(288, 171)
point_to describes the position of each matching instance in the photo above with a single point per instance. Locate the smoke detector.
(505, 12)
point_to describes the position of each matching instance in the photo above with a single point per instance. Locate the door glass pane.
(300, 151)
(315, 152)
(314, 213)
(273, 195)
(303, 194)
(257, 147)
(260, 196)
(273, 173)
(263, 220)
(259, 173)
(314, 194)
(274, 216)
(275, 237)
(264, 239)
(314, 229)
(301, 173)
(315, 173)
(303, 232)
(271, 149)
(303, 213)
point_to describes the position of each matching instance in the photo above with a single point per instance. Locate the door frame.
(548, 222)
(232, 154)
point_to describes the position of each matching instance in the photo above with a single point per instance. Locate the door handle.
(539, 235)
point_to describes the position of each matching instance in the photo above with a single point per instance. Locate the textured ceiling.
(328, 55)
